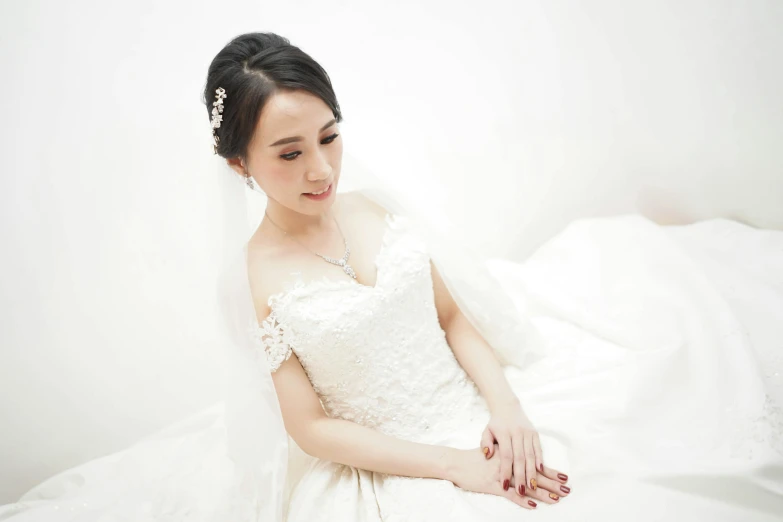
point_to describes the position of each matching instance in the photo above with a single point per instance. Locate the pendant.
(346, 268)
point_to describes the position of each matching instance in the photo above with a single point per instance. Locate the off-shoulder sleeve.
(273, 339)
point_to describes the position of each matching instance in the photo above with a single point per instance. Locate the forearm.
(479, 361)
(345, 442)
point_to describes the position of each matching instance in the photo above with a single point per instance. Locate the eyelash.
(289, 157)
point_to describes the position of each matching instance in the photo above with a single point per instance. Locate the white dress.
(643, 429)
(654, 387)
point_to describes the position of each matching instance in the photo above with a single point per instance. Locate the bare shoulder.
(354, 201)
(267, 263)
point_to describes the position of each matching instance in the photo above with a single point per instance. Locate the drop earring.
(249, 181)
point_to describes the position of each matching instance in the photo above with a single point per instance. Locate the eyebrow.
(299, 138)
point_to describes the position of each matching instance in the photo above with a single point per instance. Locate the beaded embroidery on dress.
(397, 317)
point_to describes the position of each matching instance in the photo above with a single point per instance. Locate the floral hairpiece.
(217, 115)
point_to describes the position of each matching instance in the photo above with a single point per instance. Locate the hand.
(470, 470)
(518, 445)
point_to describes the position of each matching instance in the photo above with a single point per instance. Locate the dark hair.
(251, 68)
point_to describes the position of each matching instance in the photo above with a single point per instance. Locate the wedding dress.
(377, 356)
(655, 387)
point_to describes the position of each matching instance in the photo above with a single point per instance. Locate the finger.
(543, 495)
(518, 466)
(487, 443)
(555, 475)
(553, 486)
(506, 459)
(538, 452)
(525, 502)
(530, 461)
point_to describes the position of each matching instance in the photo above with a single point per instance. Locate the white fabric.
(656, 393)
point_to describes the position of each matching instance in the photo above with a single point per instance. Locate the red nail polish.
(565, 489)
(505, 485)
(532, 503)
(541, 468)
(521, 489)
(562, 477)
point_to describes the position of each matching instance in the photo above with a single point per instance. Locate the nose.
(319, 169)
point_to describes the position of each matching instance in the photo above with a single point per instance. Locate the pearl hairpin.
(217, 115)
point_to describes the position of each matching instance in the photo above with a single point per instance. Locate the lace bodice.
(377, 355)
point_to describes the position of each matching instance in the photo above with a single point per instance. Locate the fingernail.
(505, 485)
(521, 489)
(541, 468)
(532, 503)
(533, 484)
(553, 496)
(486, 452)
(562, 477)
(565, 489)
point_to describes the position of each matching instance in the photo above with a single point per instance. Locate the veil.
(270, 463)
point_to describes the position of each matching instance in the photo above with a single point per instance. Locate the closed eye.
(293, 155)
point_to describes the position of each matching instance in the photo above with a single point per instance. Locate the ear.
(238, 166)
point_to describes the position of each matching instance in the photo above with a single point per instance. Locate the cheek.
(277, 179)
(280, 175)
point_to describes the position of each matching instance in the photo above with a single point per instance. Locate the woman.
(379, 373)
(384, 349)
(294, 154)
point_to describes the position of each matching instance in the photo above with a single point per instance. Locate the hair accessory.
(217, 115)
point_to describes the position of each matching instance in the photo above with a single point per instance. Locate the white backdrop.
(551, 110)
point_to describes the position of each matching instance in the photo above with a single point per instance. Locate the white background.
(544, 112)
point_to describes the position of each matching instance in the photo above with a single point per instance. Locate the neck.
(296, 223)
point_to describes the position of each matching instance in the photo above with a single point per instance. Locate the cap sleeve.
(273, 339)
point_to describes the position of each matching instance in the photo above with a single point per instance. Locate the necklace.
(342, 262)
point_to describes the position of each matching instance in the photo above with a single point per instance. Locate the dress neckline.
(326, 282)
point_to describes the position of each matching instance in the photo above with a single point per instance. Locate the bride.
(390, 410)
(414, 386)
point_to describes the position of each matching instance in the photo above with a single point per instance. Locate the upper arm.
(447, 307)
(299, 404)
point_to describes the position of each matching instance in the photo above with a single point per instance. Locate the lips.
(319, 191)
(322, 196)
